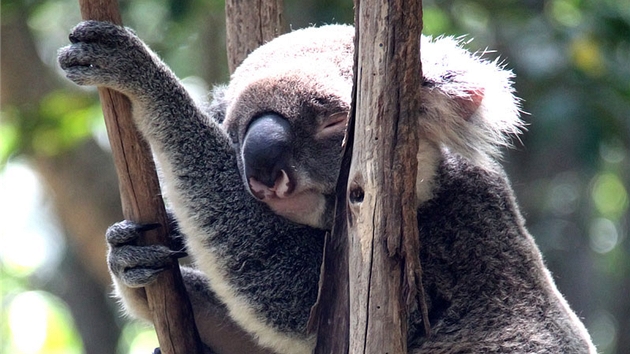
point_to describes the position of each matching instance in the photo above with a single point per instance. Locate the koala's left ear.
(467, 105)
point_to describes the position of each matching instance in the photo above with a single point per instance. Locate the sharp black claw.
(180, 254)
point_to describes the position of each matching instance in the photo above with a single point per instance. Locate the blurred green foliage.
(571, 173)
(40, 323)
(60, 121)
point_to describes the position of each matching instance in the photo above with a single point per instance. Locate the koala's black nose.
(266, 148)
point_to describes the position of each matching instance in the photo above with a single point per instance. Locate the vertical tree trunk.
(250, 24)
(384, 273)
(142, 202)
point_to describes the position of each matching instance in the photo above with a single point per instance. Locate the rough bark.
(142, 202)
(251, 24)
(384, 273)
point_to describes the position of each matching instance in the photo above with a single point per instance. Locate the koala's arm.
(263, 268)
(196, 156)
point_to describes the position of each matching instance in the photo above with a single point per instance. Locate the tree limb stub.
(142, 202)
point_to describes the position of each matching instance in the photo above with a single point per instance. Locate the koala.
(250, 180)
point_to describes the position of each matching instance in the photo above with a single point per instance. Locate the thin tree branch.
(142, 202)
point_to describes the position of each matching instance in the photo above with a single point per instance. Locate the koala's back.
(488, 289)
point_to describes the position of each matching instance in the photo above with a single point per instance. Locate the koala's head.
(287, 107)
(287, 114)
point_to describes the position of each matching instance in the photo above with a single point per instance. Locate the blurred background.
(58, 191)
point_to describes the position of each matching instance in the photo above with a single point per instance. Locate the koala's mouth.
(282, 187)
(285, 198)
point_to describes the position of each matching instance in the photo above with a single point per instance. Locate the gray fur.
(488, 289)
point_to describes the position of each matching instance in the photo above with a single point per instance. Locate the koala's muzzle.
(266, 154)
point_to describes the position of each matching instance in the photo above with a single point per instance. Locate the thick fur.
(488, 289)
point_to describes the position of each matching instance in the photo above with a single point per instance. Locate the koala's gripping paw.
(136, 266)
(103, 54)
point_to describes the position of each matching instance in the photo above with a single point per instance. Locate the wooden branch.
(330, 317)
(384, 272)
(142, 202)
(250, 24)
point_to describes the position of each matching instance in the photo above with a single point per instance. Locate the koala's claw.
(126, 231)
(139, 265)
(134, 265)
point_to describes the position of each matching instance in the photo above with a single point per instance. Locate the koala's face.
(287, 108)
(288, 129)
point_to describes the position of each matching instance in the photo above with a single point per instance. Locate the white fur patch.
(133, 300)
(458, 74)
(428, 160)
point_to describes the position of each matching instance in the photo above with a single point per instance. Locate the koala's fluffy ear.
(469, 105)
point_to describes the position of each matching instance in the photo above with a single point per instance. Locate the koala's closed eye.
(332, 125)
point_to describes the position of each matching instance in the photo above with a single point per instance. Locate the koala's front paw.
(136, 266)
(103, 54)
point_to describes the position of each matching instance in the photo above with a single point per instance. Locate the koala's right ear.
(469, 104)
